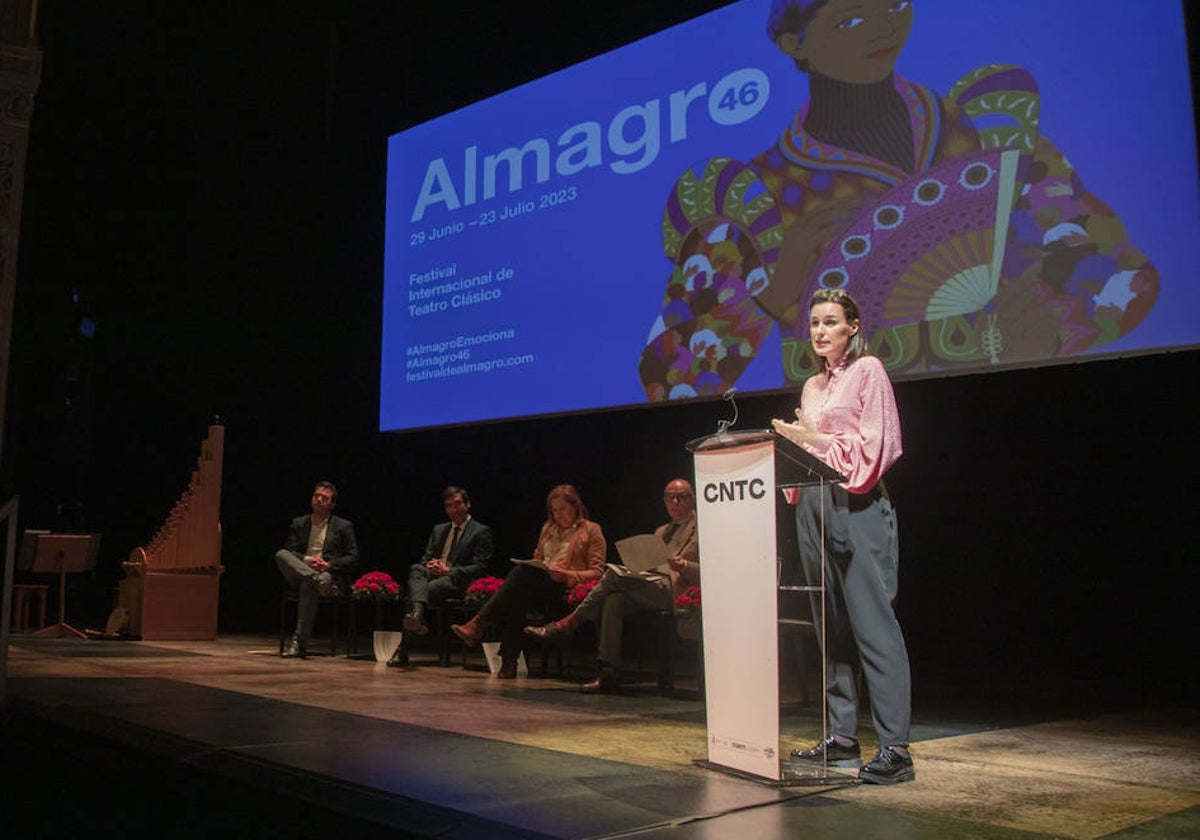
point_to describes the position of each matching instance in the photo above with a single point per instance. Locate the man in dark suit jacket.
(458, 551)
(316, 559)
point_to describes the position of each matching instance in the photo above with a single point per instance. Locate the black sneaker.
(293, 649)
(830, 753)
(887, 768)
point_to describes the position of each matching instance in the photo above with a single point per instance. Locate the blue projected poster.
(998, 185)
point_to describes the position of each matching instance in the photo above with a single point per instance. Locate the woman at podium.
(848, 419)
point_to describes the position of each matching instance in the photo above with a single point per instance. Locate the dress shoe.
(326, 587)
(414, 622)
(831, 753)
(508, 670)
(293, 649)
(888, 767)
(545, 633)
(469, 632)
(605, 683)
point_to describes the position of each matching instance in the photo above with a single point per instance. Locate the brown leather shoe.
(605, 683)
(469, 632)
(544, 633)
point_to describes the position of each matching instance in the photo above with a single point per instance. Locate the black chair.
(550, 610)
(332, 605)
(455, 611)
(661, 625)
(440, 616)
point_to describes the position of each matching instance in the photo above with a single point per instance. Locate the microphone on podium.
(723, 425)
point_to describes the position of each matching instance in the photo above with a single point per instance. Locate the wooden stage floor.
(182, 739)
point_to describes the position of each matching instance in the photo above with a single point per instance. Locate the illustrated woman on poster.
(966, 236)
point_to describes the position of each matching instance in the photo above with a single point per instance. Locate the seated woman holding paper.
(624, 589)
(570, 550)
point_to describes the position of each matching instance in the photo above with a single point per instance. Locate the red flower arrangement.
(376, 586)
(580, 591)
(687, 605)
(481, 589)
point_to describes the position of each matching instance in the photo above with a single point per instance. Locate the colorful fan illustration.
(722, 233)
(931, 248)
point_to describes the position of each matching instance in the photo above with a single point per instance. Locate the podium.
(47, 553)
(738, 477)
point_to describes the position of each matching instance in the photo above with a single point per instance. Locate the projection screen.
(998, 185)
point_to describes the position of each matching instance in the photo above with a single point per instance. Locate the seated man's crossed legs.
(309, 585)
(425, 589)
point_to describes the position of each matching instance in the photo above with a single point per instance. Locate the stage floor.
(451, 752)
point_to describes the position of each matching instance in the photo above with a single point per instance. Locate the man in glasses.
(622, 592)
(318, 554)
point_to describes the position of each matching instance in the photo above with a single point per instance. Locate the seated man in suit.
(319, 553)
(621, 591)
(458, 551)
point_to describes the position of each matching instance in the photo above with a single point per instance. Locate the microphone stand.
(724, 425)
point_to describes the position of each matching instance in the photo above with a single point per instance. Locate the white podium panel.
(735, 508)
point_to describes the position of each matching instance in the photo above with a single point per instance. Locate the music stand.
(60, 553)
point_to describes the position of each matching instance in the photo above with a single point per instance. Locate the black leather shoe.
(544, 633)
(414, 622)
(508, 670)
(605, 683)
(293, 649)
(888, 767)
(829, 752)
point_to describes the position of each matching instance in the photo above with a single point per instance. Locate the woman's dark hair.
(857, 347)
(792, 17)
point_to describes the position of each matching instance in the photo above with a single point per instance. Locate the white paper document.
(643, 552)
(532, 561)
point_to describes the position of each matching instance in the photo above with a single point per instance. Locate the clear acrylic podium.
(738, 479)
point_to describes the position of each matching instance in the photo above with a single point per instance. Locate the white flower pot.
(491, 652)
(386, 643)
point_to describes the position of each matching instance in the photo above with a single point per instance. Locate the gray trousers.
(617, 595)
(303, 579)
(424, 589)
(862, 563)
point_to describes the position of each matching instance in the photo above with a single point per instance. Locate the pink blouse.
(854, 410)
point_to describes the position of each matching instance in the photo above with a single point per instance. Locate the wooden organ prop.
(170, 588)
